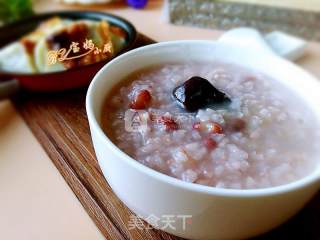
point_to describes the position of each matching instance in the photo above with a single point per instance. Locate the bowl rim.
(311, 178)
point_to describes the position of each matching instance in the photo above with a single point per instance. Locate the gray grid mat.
(226, 15)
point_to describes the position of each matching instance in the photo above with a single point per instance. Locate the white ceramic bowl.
(216, 213)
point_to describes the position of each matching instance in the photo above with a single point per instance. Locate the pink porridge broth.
(265, 136)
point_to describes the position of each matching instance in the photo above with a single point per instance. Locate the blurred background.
(298, 17)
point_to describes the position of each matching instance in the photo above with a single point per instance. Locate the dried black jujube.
(197, 93)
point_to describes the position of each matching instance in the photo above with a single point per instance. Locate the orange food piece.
(142, 100)
(214, 127)
(210, 127)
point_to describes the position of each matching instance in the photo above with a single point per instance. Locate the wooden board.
(60, 124)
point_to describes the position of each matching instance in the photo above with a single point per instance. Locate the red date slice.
(209, 127)
(169, 123)
(210, 143)
(142, 100)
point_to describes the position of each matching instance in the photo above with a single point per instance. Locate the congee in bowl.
(213, 123)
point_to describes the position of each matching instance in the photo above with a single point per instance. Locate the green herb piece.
(12, 10)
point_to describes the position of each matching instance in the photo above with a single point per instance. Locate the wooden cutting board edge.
(59, 123)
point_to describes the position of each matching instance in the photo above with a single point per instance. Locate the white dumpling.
(41, 59)
(14, 58)
(98, 32)
(30, 54)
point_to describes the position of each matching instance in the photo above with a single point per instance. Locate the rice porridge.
(215, 124)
